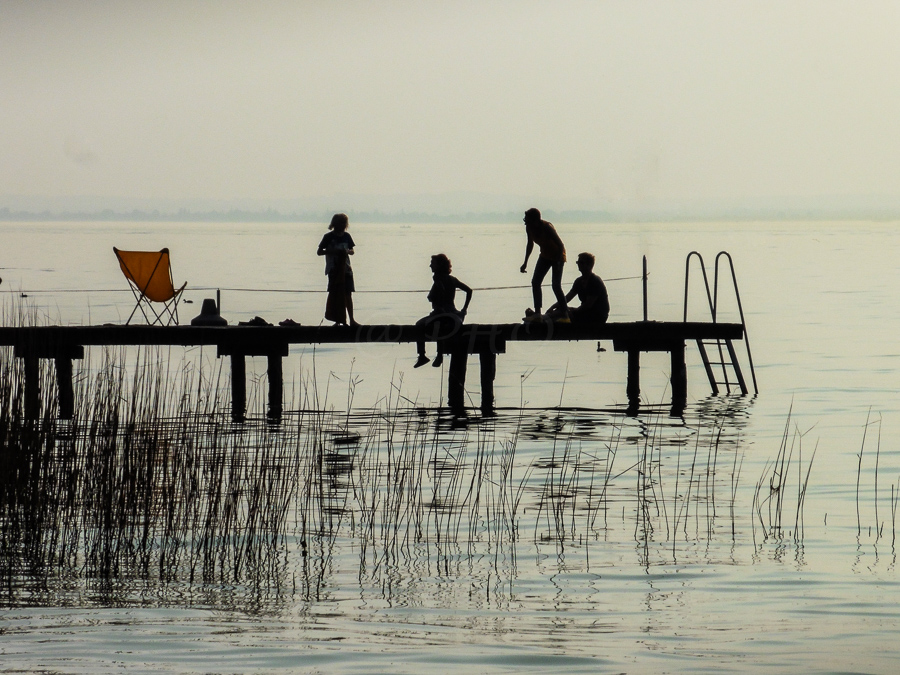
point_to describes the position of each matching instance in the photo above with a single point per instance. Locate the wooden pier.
(65, 343)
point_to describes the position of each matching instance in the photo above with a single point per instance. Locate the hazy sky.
(594, 103)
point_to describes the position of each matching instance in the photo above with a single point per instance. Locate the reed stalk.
(152, 480)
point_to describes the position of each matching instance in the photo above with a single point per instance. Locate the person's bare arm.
(468, 291)
(529, 247)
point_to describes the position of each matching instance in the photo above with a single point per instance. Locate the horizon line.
(379, 216)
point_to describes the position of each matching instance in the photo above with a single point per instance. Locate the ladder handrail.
(737, 295)
(713, 299)
(687, 273)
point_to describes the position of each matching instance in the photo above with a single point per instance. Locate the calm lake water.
(755, 534)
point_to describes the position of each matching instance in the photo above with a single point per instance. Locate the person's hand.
(523, 269)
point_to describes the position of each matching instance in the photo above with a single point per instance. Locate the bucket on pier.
(209, 315)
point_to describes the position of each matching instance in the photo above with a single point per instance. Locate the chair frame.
(168, 314)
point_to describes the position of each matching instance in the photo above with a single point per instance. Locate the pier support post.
(32, 387)
(678, 379)
(456, 381)
(239, 350)
(488, 362)
(633, 381)
(276, 387)
(64, 386)
(238, 387)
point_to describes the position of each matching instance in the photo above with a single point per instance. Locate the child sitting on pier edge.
(445, 319)
(591, 291)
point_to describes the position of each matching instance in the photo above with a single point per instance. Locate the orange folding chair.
(149, 274)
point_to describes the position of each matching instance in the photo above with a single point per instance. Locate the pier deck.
(64, 343)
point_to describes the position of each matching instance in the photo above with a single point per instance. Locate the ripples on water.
(200, 543)
(152, 533)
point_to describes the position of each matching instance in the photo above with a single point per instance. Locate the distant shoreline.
(272, 216)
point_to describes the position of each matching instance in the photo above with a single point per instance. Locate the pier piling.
(64, 343)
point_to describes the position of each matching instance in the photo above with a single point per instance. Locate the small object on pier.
(255, 321)
(531, 315)
(289, 322)
(599, 348)
(209, 315)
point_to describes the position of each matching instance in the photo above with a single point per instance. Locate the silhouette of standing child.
(337, 247)
(444, 317)
(552, 256)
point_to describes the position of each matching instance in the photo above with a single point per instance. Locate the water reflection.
(139, 501)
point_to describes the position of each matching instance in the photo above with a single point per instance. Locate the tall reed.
(773, 495)
(151, 481)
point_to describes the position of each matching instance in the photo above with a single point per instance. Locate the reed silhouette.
(152, 486)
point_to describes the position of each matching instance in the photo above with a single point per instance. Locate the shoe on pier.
(421, 361)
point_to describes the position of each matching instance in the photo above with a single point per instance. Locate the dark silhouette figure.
(337, 247)
(552, 256)
(591, 291)
(445, 319)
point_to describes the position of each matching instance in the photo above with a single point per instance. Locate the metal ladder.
(727, 367)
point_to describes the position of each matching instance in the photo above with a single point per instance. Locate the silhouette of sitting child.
(591, 291)
(444, 319)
